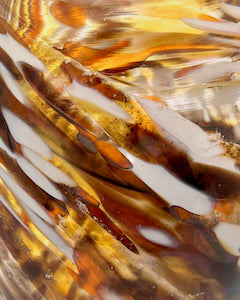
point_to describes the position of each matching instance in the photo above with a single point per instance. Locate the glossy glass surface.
(119, 149)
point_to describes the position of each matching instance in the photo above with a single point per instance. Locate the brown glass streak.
(2, 29)
(199, 246)
(85, 197)
(9, 64)
(130, 217)
(51, 204)
(63, 106)
(77, 194)
(8, 29)
(103, 220)
(188, 217)
(51, 96)
(70, 14)
(6, 135)
(88, 56)
(93, 81)
(220, 183)
(157, 149)
(72, 152)
(121, 70)
(227, 131)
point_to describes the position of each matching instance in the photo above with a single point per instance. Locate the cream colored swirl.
(108, 189)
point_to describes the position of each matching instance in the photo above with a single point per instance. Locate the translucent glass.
(119, 149)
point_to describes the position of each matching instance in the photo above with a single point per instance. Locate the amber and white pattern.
(119, 150)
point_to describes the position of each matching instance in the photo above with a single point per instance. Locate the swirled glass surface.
(119, 149)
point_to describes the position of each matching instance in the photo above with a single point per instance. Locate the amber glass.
(119, 149)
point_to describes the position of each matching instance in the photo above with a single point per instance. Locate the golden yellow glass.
(119, 149)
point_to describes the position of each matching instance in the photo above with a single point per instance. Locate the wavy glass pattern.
(119, 149)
